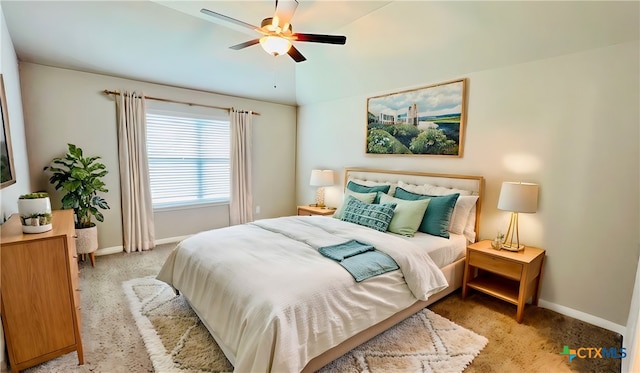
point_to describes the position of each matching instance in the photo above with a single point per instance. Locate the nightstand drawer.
(313, 210)
(303, 212)
(494, 264)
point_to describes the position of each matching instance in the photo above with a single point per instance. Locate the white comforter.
(273, 303)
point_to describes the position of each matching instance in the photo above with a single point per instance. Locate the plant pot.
(87, 240)
(35, 214)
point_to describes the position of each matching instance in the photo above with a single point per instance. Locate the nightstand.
(511, 276)
(313, 210)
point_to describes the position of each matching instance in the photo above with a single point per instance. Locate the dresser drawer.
(494, 264)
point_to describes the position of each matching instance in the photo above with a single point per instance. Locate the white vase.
(35, 215)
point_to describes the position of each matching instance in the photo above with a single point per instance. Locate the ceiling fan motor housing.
(267, 26)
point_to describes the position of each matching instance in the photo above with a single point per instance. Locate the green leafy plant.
(80, 178)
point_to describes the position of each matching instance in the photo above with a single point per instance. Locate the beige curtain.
(137, 211)
(241, 208)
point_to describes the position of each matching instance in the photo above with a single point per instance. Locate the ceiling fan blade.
(295, 54)
(284, 12)
(228, 19)
(317, 38)
(245, 44)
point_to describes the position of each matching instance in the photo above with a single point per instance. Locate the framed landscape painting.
(7, 173)
(423, 121)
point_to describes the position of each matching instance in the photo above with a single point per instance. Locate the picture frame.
(424, 121)
(7, 170)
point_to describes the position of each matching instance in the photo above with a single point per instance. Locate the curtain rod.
(108, 92)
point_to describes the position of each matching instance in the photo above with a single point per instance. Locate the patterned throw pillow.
(375, 216)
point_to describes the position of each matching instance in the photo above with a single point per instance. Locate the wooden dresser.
(40, 292)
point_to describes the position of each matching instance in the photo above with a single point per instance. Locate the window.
(188, 158)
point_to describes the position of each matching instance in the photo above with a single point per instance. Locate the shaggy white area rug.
(177, 341)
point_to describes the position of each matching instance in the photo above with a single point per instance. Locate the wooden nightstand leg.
(522, 295)
(520, 313)
(536, 294)
(521, 303)
(465, 279)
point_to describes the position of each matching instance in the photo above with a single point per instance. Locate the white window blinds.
(188, 159)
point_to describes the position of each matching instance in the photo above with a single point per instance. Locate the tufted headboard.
(474, 184)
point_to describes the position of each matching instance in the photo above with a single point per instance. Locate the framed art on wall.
(424, 121)
(7, 172)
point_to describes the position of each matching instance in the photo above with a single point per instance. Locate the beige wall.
(569, 123)
(64, 106)
(9, 70)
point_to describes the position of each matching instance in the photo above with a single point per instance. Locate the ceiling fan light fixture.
(275, 45)
(277, 33)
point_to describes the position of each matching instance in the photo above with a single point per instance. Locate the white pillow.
(460, 214)
(470, 229)
(432, 190)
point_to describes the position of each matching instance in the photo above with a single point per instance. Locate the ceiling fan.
(277, 32)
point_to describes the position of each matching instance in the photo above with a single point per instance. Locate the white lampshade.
(275, 45)
(518, 197)
(321, 178)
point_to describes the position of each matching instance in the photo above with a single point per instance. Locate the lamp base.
(512, 247)
(511, 232)
(320, 197)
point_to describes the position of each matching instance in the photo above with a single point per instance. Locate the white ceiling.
(172, 43)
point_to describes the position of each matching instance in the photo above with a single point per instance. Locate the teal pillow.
(407, 215)
(368, 189)
(364, 197)
(375, 216)
(436, 218)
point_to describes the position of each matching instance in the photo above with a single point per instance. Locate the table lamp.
(517, 197)
(321, 179)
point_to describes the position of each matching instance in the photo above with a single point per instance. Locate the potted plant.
(35, 212)
(80, 179)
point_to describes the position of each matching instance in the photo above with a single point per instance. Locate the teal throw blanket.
(361, 260)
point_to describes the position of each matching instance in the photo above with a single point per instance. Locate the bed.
(273, 303)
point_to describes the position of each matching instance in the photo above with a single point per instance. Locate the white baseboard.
(593, 320)
(109, 250)
(163, 241)
(119, 249)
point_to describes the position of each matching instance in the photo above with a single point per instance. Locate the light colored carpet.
(177, 341)
(113, 344)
